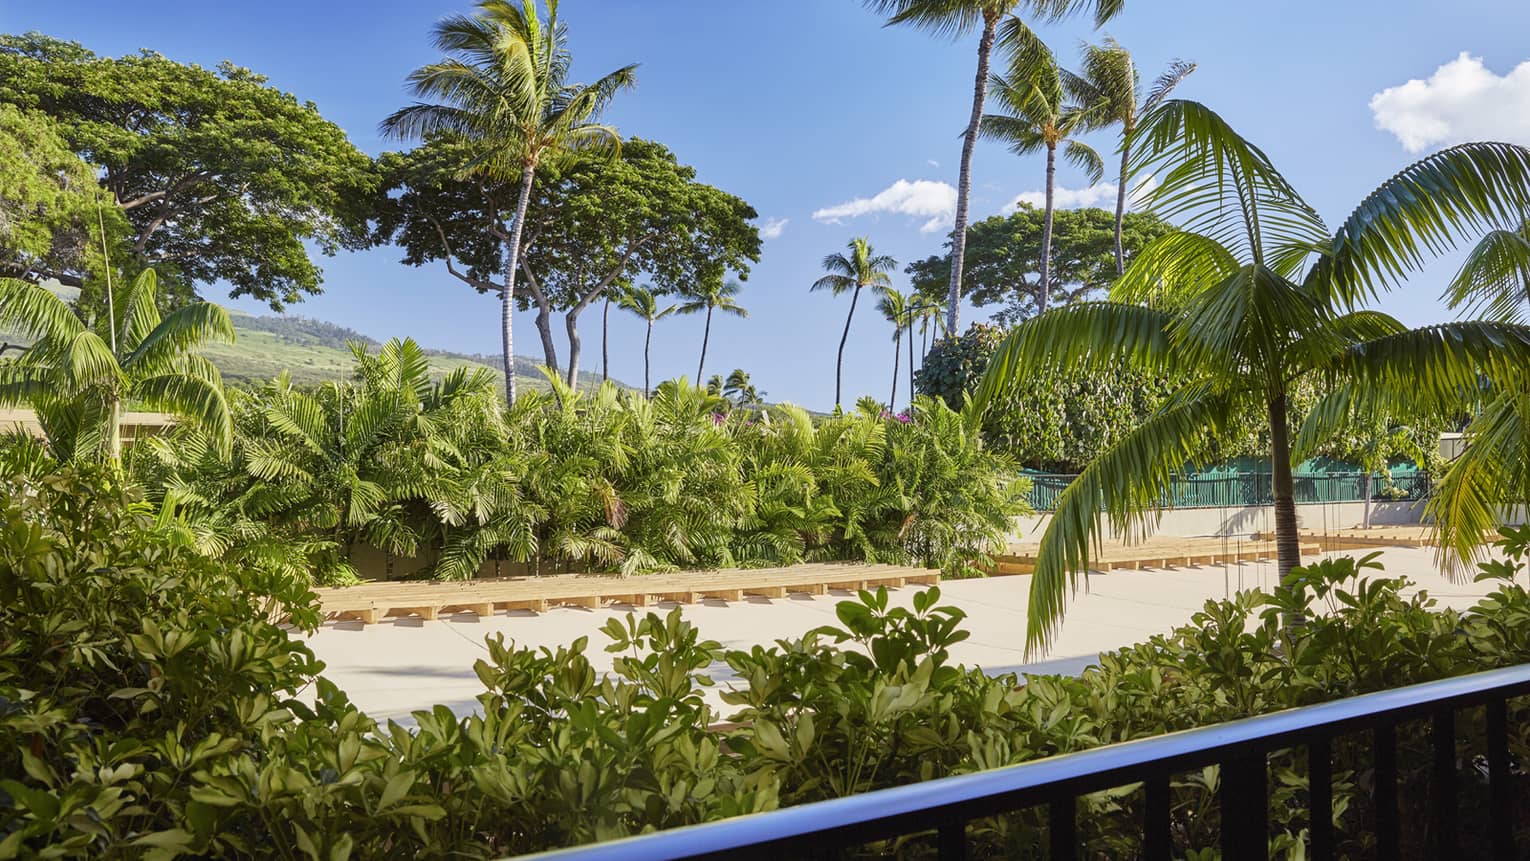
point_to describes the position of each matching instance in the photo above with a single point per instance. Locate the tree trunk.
(605, 340)
(544, 331)
(839, 366)
(114, 433)
(1046, 232)
(647, 342)
(706, 335)
(1367, 494)
(512, 264)
(911, 365)
(1287, 546)
(892, 402)
(964, 173)
(571, 323)
(1121, 212)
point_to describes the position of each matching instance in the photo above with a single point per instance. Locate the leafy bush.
(148, 708)
(437, 473)
(1057, 422)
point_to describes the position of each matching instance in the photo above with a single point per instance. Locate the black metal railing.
(1250, 488)
(1242, 749)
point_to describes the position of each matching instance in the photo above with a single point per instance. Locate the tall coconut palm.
(956, 18)
(77, 377)
(895, 308)
(861, 269)
(645, 303)
(504, 88)
(1253, 294)
(1038, 118)
(741, 390)
(712, 296)
(1109, 89)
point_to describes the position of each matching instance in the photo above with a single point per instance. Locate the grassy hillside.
(315, 351)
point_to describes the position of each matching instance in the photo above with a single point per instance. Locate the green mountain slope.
(314, 351)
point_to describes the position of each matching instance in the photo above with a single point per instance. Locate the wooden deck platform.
(373, 602)
(1376, 536)
(1156, 552)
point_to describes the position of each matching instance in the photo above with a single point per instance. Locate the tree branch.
(480, 284)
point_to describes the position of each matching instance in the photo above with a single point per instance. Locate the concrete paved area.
(399, 666)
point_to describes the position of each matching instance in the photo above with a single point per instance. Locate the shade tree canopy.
(590, 227)
(221, 177)
(1003, 262)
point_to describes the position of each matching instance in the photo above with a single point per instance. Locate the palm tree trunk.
(512, 265)
(839, 366)
(605, 340)
(1121, 212)
(706, 335)
(647, 342)
(1046, 231)
(1287, 547)
(964, 174)
(1367, 494)
(911, 364)
(114, 433)
(892, 402)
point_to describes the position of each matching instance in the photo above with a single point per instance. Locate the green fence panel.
(1224, 489)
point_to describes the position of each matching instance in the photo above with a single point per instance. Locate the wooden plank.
(767, 591)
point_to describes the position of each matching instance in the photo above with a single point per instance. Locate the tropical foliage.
(1251, 296)
(435, 476)
(79, 375)
(153, 710)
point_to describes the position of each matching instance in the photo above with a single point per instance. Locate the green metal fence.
(1236, 490)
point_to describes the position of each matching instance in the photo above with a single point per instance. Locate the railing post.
(1443, 792)
(1320, 798)
(953, 841)
(1500, 799)
(1062, 828)
(1156, 845)
(1245, 807)
(1387, 837)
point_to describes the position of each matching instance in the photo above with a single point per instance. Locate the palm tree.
(895, 307)
(645, 303)
(1253, 294)
(1108, 88)
(712, 296)
(956, 18)
(1038, 120)
(930, 312)
(504, 88)
(861, 269)
(77, 377)
(741, 390)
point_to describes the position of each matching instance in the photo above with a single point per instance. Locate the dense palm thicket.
(149, 709)
(446, 483)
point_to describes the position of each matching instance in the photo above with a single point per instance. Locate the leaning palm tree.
(504, 88)
(1037, 118)
(645, 303)
(861, 269)
(77, 377)
(1108, 89)
(712, 296)
(956, 18)
(1252, 295)
(741, 390)
(895, 308)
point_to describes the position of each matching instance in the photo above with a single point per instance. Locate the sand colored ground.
(398, 666)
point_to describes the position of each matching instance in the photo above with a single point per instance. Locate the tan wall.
(1251, 520)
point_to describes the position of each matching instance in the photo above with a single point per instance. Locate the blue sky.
(805, 105)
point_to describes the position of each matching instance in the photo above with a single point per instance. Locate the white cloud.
(772, 228)
(1101, 194)
(1463, 100)
(933, 201)
(932, 162)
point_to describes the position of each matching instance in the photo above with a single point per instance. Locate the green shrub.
(149, 708)
(437, 473)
